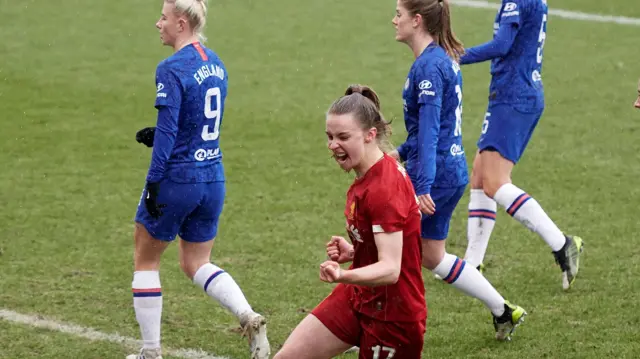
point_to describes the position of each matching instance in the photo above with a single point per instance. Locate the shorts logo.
(160, 87)
(406, 84)
(425, 85)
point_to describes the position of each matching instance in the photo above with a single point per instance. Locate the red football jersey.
(383, 201)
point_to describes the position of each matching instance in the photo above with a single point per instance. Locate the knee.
(476, 178)
(491, 183)
(147, 252)
(190, 266)
(476, 174)
(496, 172)
(430, 262)
(432, 254)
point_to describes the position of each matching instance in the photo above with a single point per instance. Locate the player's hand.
(146, 135)
(330, 271)
(339, 250)
(150, 200)
(427, 206)
(396, 155)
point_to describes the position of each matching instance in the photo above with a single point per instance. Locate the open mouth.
(340, 157)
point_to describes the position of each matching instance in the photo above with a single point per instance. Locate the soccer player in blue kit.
(516, 103)
(185, 184)
(433, 152)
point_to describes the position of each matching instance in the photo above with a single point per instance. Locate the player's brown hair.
(364, 104)
(436, 20)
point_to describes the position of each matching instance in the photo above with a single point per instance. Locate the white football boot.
(254, 326)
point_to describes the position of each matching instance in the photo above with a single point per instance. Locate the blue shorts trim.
(192, 212)
(507, 129)
(436, 226)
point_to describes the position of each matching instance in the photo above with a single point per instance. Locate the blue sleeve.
(163, 141)
(428, 132)
(168, 101)
(498, 47)
(405, 148)
(169, 89)
(431, 87)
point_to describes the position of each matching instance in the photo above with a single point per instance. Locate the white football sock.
(147, 302)
(454, 271)
(219, 285)
(482, 219)
(527, 211)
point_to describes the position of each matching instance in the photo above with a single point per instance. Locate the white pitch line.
(566, 14)
(92, 334)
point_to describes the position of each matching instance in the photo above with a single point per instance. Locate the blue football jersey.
(517, 77)
(432, 99)
(193, 82)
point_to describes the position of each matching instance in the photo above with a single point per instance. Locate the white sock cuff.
(206, 274)
(450, 268)
(146, 280)
(479, 200)
(507, 194)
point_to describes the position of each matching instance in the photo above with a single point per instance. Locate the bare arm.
(384, 272)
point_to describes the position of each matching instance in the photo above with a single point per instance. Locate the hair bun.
(365, 91)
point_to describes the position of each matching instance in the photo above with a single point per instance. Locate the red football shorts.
(376, 339)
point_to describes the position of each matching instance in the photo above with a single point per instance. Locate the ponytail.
(364, 104)
(436, 20)
(445, 37)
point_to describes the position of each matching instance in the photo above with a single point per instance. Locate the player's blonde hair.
(196, 13)
(364, 104)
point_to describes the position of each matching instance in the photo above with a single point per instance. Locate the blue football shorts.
(436, 226)
(507, 129)
(192, 211)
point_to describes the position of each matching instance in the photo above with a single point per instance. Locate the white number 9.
(212, 114)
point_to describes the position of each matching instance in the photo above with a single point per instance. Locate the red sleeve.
(387, 205)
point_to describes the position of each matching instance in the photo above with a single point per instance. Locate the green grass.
(76, 82)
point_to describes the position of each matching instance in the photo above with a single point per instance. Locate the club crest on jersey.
(352, 211)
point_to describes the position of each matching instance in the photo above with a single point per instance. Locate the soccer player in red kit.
(379, 303)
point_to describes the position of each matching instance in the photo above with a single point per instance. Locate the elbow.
(503, 48)
(394, 274)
